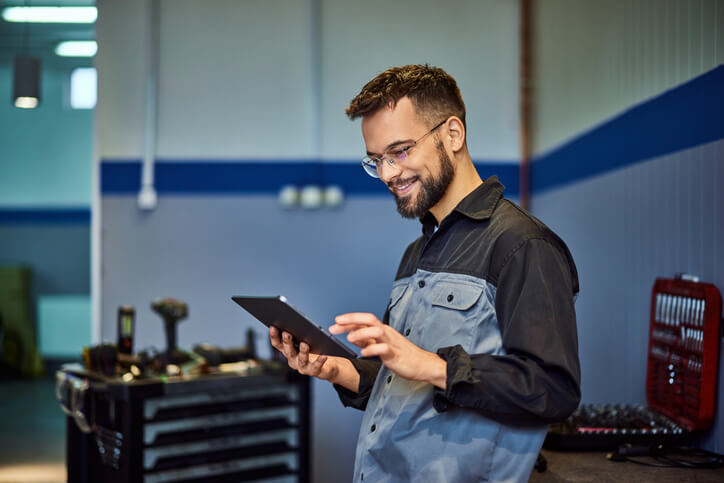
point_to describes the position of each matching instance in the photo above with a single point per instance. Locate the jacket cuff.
(367, 369)
(459, 371)
(351, 399)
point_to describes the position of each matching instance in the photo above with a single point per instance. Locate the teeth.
(401, 187)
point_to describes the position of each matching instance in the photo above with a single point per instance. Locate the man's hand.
(337, 370)
(394, 350)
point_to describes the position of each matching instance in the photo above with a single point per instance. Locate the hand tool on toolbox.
(172, 311)
(126, 324)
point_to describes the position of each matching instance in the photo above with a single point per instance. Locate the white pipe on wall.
(147, 198)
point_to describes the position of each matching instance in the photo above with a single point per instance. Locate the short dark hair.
(433, 92)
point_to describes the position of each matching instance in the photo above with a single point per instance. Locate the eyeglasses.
(372, 166)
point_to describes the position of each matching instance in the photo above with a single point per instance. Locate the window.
(83, 88)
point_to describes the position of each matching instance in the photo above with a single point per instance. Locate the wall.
(628, 167)
(45, 182)
(44, 145)
(251, 98)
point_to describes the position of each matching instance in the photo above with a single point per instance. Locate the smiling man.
(477, 351)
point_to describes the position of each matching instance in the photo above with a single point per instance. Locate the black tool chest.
(218, 428)
(681, 377)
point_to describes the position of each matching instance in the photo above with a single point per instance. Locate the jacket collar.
(477, 205)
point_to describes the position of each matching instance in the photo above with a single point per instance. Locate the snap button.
(389, 379)
(373, 428)
(407, 332)
(450, 298)
(421, 283)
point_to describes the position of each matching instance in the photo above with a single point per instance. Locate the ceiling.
(42, 38)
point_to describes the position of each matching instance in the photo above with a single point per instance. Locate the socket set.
(683, 362)
(681, 377)
(606, 426)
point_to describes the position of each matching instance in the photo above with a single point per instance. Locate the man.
(477, 351)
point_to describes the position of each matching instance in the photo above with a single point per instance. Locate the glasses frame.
(372, 165)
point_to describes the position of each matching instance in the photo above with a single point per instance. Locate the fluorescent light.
(77, 48)
(50, 14)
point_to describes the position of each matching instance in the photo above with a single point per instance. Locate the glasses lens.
(370, 168)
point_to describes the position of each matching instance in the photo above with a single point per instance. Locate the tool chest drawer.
(681, 377)
(246, 428)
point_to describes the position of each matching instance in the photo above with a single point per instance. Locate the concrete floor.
(32, 432)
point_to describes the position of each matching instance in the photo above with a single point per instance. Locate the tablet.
(277, 312)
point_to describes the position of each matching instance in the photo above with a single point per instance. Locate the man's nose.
(388, 172)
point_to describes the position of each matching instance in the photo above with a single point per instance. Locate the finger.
(341, 329)
(315, 368)
(362, 318)
(363, 337)
(303, 356)
(376, 350)
(353, 321)
(274, 335)
(288, 343)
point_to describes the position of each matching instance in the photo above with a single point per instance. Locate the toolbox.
(681, 377)
(205, 428)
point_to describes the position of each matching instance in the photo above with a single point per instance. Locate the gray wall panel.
(203, 250)
(626, 228)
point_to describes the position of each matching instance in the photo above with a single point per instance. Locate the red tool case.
(681, 377)
(683, 359)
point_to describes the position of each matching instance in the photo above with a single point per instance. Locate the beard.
(432, 188)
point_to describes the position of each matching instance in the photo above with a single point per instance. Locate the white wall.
(475, 41)
(595, 59)
(238, 78)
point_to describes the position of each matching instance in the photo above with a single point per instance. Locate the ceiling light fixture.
(26, 76)
(26, 82)
(77, 48)
(50, 14)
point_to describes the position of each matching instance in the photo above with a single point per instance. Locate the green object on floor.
(18, 349)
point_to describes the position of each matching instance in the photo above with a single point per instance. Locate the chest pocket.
(456, 296)
(456, 315)
(396, 308)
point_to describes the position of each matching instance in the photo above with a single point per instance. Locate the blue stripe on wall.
(33, 216)
(260, 177)
(686, 116)
(120, 177)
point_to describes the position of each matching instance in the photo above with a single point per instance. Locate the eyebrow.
(390, 146)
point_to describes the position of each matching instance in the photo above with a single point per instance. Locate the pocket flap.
(397, 293)
(456, 296)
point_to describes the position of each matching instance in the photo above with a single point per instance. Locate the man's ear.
(455, 133)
